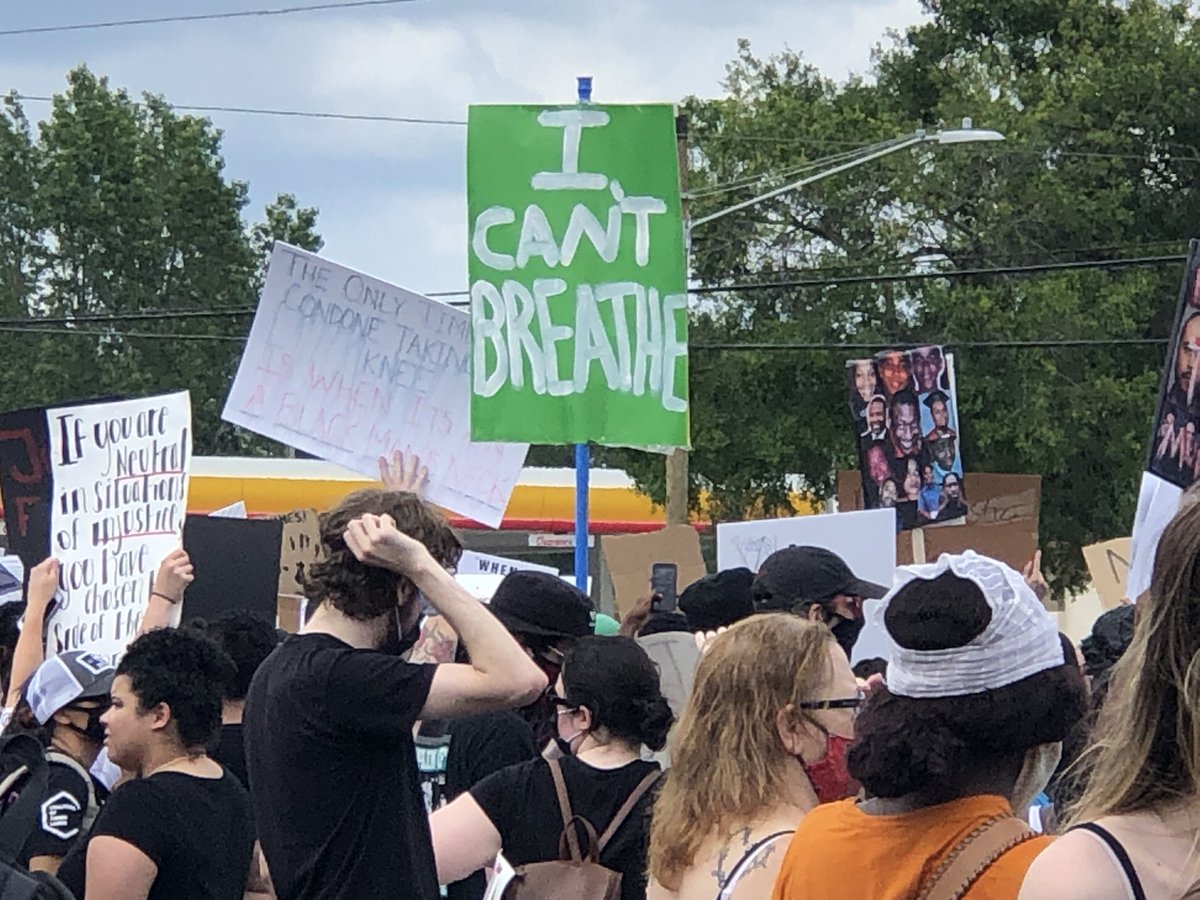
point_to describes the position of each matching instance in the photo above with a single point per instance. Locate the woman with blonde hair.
(1137, 824)
(762, 741)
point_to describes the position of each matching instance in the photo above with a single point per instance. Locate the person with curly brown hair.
(330, 715)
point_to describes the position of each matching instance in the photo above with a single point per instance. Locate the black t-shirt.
(455, 755)
(333, 773)
(522, 804)
(230, 752)
(62, 814)
(196, 830)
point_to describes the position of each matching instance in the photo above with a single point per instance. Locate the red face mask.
(830, 776)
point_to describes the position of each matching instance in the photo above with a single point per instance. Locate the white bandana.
(1020, 640)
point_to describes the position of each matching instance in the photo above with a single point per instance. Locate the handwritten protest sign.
(1108, 564)
(299, 548)
(578, 282)
(119, 472)
(25, 483)
(350, 368)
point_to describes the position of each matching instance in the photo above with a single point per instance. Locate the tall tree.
(120, 208)
(1100, 161)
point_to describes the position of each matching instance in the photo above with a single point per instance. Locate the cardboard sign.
(1108, 564)
(289, 612)
(1002, 520)
(629, 558)
(237, 566)
(300, 546)
(350, 368)
(578, 280)
(904, 411)
(865, 540)
(473, 563)
(119, 472)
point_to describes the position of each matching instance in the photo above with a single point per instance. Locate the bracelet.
(170, 600)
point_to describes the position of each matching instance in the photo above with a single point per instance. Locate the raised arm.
(31, 649)
(501, 675)
(174, 574)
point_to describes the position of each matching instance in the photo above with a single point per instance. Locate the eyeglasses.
(854, 704)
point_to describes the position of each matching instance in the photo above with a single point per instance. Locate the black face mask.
(94, 730)
(396, 643)
(846, 631)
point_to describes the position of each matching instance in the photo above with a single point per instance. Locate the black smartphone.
(663, 580)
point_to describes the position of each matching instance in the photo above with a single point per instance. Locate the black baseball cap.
(716, 601)
(796, 574)
(541, 605)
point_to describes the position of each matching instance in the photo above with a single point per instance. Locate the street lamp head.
(967, 134)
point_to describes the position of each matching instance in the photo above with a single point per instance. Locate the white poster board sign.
(866, 540)
(350, 368)
(120, 475)
(1158, 501)
(473, 563)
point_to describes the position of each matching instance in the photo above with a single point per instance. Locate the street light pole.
(677, 462)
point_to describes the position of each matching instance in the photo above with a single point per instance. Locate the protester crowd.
(988, 758)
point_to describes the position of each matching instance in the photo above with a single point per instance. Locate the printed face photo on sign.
(1174, 454)
(928, 366)
(895, 371)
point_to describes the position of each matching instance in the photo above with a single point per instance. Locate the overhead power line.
(200, 17)
(286, 113)
(826, 346)
(737, 287)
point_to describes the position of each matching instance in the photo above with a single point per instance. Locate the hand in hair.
(403, 473)
(376, 541)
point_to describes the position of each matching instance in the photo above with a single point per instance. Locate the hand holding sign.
(174, 575)
(376, 541)
(43, 585)
(404, 473)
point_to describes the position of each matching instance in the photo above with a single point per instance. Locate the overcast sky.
(391, 196)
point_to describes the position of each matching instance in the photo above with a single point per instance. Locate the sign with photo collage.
(905, 416)
(1174, 446)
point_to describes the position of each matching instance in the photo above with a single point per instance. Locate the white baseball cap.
(65, 679)
(1020, 640)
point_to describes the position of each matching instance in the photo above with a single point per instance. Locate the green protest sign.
(578, 278)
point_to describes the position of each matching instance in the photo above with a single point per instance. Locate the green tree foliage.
(116, 207)
(1098, 101)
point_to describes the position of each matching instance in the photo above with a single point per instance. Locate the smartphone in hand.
(663, 580)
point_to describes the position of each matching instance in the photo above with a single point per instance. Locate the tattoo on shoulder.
(719, 872)
(760, 860)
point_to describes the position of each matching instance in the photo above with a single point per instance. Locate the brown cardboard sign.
(629, 559)
(1108, 564)
(1002, 519)
(290, 613)
(301, 546)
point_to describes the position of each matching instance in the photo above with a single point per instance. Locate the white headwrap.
(1020, 640)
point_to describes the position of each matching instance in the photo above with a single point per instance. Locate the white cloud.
(391, 195)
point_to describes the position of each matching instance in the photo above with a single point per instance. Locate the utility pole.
(677, 461)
